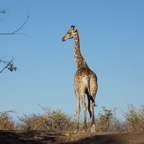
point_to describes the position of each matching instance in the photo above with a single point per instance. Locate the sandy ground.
(49, 137)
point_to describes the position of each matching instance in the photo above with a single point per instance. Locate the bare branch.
(17, 30)
(3, 11)
(8, 65)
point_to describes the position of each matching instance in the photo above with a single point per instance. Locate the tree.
(9, 64)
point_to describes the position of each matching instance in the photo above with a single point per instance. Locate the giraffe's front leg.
(77, 112)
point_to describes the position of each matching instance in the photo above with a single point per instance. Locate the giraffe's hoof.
(76, 130)
(84, 130)
(93, 128)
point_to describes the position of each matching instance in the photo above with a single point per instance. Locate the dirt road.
(49, 137)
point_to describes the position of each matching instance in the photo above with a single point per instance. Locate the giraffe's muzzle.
(63, 39)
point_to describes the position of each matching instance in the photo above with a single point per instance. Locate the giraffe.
(85, 81)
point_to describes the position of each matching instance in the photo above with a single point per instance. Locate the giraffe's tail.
(95, 105)
(91, 97)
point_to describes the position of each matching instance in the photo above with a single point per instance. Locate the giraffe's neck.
(80, 61)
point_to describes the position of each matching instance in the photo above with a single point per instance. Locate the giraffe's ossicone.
(85, 82)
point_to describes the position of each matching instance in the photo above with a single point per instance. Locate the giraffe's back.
(85, 80)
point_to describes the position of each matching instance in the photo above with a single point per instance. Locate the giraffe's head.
(70, 34)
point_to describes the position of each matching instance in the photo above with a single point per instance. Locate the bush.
(107, 121)
(135, 118)
(33, 121)
(51, 120)
(6, 122)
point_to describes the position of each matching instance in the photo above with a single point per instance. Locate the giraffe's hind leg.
(91, 105)
(77, 112)
(84, 109)
(92, 95)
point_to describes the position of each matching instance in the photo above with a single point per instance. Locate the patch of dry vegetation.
(135, 119)
(56, 120)
(6, 122)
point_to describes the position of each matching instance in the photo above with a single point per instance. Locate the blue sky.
(112, 43)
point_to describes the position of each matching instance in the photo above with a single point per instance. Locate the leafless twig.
(16, 31)
(8, 65)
